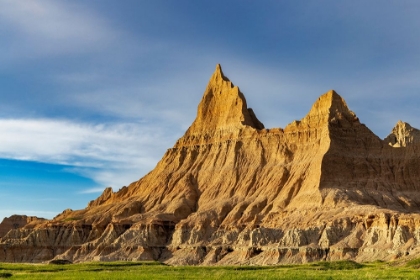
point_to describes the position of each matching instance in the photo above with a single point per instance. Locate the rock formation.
(15, 222)
(403, 135)
(232, 192)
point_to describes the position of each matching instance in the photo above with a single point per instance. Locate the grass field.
(152, 270)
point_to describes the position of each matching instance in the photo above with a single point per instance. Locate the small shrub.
(338, 265)
(60, 261)
(249, 267)
(5, 275)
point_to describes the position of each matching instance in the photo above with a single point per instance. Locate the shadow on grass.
(338, 265)
(250, 267)
(46, 270)
(5, 275)
(127, 264)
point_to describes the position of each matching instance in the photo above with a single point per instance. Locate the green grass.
(414, 263)
(153, 270)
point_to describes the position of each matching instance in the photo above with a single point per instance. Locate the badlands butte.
(232, 192)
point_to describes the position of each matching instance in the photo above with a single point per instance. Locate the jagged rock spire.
(223, 107)
(402, 135)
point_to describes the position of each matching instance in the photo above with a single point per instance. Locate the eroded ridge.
(232, 192)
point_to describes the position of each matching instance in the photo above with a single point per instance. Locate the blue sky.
(94, 92)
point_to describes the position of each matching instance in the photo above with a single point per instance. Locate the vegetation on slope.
(154, 270)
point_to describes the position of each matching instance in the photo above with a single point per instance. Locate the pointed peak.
(218, 75)
(330, 108)
(330, 101)
(332, 98)
(332, 93)
(219, 68)
(223, 107)
(400, 123)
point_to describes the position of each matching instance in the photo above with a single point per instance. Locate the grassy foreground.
(152, 270)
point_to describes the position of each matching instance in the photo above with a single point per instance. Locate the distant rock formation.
(403, 135)
(232, 192)
(15, 222)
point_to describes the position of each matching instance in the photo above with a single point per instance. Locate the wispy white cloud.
(111, 154)
(92, 190)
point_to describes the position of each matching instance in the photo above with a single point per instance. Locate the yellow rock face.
(232, 192)
(222, 108)
(403, 135)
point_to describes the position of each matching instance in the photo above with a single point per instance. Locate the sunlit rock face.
(403, 135)
(232, 192)
(15, 222)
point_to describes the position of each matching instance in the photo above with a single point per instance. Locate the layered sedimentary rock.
(232, 192)
(15, 222)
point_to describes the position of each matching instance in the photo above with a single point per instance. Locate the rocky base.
(380, 235)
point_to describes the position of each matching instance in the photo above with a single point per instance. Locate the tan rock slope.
(232, 192)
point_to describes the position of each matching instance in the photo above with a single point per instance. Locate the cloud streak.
(92, 190)
(111, 154)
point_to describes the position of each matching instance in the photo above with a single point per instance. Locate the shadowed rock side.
(232, 192)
